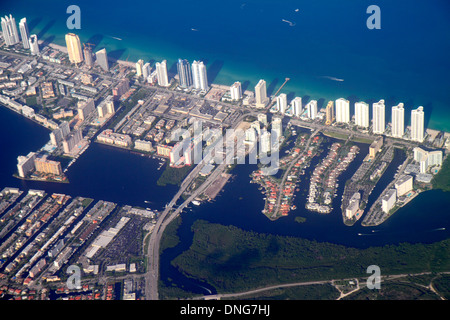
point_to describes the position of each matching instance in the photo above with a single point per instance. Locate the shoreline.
(39, 180)
(221, 85)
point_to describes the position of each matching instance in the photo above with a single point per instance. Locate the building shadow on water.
(47, 41)
(173, 71)
(95, 41)
(352, 100)
(320, 104)
(428, 110)
(115, 55)
(45, 29)
(409, 105)
(245, 85)
(214, 69)
(305, 100)
(272, 86)
(290, 96)
(33, 23)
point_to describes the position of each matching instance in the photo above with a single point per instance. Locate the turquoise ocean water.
(315, 43)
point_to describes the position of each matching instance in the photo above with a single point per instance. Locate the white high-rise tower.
(379, 117)
(199, 76)
(311, 109)
(362, 114)
(24, 33)
(34, 45)
(9, 29)
(296, 105)
(342, 110)
(417, 124)
(282, 103)
(398, 121)
(161, 73)
(261, 94)
(236, 91)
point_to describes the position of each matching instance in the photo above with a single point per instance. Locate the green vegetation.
(234, 260)
(300, 219)
(442, 179)
(86, 202)
(442, 285)
(170, 238)
(173, 175)
(336, 135)
(311, 292)
(395, 290)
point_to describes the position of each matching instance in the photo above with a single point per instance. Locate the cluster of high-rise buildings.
(339, 111)
(379, 118)
(11, 34)
(77, 54)
(41, 164)
(190, 76)
(63, 136)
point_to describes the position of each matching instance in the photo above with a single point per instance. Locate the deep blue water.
(102, 172)
(405, 61)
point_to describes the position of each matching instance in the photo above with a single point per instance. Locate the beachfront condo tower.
(417, 124)
(282, 103)
(139, 67)
(102, 59)
(161, 73)
(297, 108)
(236, 91)
(184, 73)
(311, 109)
(34, 45)
(199, 76)
(398, 121)
(378, 117)
(88, 56)
(24, 33)
(261, 94)
(9, 29)
(342, 110)
(362, 114)
(74, 48)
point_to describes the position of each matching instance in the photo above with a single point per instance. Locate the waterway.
(111, 174)
(240, 204)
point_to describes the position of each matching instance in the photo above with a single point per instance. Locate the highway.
(169, 214)
(361, 283)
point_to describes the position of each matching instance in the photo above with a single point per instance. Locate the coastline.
(293, 88)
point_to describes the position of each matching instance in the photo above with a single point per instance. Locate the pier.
(276, 93)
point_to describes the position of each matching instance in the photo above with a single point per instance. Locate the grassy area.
(336, 135)
(442, 179)
(233, 260)
(173, 175)
(362, 140)
(312, 292)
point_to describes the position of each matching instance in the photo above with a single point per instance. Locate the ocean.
(323, 46)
